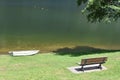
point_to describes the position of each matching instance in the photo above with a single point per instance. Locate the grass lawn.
(54, 67)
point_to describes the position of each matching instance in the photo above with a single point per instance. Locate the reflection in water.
(81, 50)
(49, 24)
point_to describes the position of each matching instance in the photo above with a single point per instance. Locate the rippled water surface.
(51, 24)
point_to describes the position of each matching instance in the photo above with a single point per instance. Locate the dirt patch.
(88, 68)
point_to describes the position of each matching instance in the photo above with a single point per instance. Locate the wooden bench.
(90, 61)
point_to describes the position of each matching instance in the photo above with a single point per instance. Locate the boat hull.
(23, 53)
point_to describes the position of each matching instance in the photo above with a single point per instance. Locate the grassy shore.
(54, 67)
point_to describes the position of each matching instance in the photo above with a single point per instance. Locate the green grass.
(54, 67)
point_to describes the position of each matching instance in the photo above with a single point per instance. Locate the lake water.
(51, 24)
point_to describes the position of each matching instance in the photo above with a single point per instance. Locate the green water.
(51, 24)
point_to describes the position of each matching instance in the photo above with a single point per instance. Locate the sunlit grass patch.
(54, 67)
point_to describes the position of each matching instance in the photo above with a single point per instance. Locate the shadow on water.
(81, 50)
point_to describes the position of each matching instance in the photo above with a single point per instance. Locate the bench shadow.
(88, 68)
(81, 50)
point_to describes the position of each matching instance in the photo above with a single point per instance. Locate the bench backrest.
(93, 61)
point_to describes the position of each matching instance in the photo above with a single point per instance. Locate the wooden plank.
(93, 61)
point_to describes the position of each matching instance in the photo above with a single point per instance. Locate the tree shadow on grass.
(81, 50)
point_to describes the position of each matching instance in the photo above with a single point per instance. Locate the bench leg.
(82, 68)
(100, 66)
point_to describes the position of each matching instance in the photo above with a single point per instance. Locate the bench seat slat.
(100, 60)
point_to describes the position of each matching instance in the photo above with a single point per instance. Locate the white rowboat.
(23, 53)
